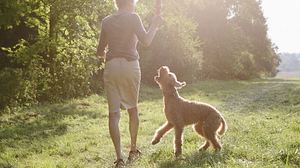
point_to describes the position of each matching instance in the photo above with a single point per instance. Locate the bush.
(244, 68)
(32, 80)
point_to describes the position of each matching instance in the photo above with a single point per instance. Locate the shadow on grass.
(41, 123)
(6, 165)
(199, 159)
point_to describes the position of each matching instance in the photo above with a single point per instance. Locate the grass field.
(263, 118)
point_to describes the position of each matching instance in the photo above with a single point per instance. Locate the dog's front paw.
(155, 141)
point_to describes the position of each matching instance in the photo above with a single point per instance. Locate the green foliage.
(249, 16)
(229, 29)
(47, 48)
(23, 85)
(243, 68)
(58, 61)
(10, 13)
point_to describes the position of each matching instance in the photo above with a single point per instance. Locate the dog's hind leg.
(199, 129)
(211, 135)
(178, 141)
(204, 146)
(210, 128)
(161, 132)
(215, 142)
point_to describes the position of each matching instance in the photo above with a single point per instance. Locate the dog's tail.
(224, 127)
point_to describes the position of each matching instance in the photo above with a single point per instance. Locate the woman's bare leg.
(114, 131)
(133, 126)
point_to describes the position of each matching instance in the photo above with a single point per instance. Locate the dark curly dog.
(207, 120)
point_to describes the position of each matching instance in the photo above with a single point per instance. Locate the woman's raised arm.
(146, 37)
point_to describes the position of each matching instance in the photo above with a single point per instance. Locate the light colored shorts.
(122, 80)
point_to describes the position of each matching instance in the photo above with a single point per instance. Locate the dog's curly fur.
(207, 120)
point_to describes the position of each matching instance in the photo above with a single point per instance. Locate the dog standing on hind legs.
(207, 120)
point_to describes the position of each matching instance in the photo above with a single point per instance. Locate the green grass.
(263, 118)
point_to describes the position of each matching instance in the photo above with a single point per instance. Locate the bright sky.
(283, 17)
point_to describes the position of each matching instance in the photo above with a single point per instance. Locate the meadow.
(263, 118)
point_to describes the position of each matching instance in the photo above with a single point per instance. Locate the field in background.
(263, 118)
(285, 74)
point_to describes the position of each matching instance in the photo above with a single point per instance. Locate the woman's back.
(121, 33)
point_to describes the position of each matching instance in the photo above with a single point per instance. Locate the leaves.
(48, 47)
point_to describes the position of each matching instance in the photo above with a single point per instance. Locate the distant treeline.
(290, 62)
(48, 47)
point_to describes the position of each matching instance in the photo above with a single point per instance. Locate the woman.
(120, 33)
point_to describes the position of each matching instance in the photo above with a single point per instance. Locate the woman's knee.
(133, 111)
(114, 116)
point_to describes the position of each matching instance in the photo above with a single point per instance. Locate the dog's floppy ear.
(156, 79)
(176, 83)
(179, 85)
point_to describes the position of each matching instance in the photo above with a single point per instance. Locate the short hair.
(122, 3)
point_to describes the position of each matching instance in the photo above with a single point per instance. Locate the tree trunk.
(52, 34)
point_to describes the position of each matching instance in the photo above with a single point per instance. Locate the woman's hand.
(147, 38)
(101, 56)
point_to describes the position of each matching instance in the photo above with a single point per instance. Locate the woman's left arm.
(102, 43)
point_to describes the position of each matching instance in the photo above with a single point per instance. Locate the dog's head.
(165, 78)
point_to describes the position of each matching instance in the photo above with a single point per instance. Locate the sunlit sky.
(283, 18)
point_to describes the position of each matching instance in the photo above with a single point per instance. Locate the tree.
(234, 33)
(249, 16)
